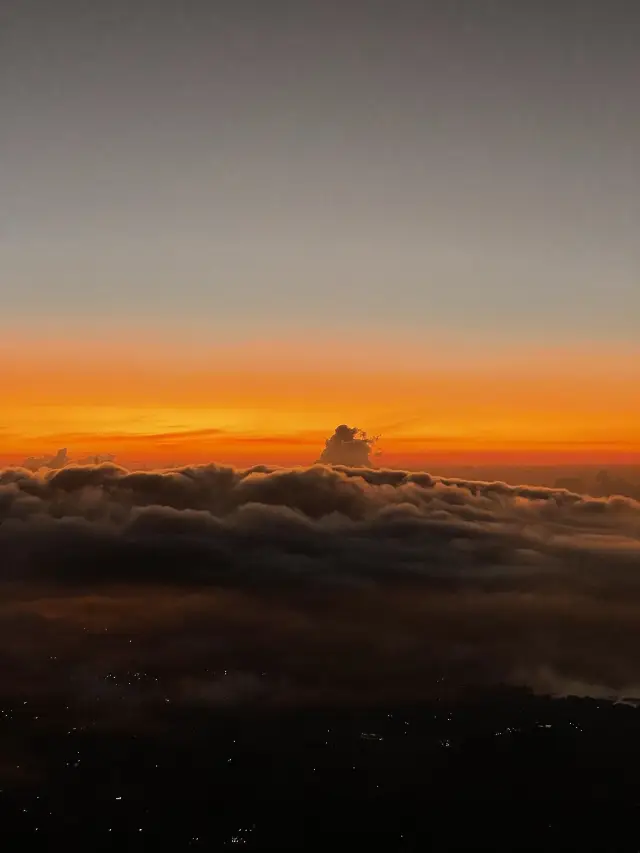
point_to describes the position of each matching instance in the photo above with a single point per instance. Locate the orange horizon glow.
(276, 402)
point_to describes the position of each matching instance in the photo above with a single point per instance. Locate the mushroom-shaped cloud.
(348, 446)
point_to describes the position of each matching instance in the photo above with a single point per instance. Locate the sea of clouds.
(349, 580)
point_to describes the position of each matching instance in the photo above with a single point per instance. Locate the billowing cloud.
(96, 459)
(348, 446)
(61, 459)
(359, 577)
(58, 460)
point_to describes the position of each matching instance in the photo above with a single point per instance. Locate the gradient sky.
(267, 217)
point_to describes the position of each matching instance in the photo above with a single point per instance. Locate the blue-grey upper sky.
(457, 165)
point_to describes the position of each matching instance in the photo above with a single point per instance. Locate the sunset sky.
(227, 227)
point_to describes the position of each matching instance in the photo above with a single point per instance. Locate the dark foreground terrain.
(507, 771)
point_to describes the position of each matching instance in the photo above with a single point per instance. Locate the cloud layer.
(365, 575)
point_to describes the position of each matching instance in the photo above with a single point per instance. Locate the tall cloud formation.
(348, 446)
(385, 573)
(58, 460)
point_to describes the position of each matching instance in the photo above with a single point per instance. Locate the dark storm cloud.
(348, 446)
(364, 574)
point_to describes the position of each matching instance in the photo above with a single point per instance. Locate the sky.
(227, 227)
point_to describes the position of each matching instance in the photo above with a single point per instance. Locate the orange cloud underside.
(276, 403)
